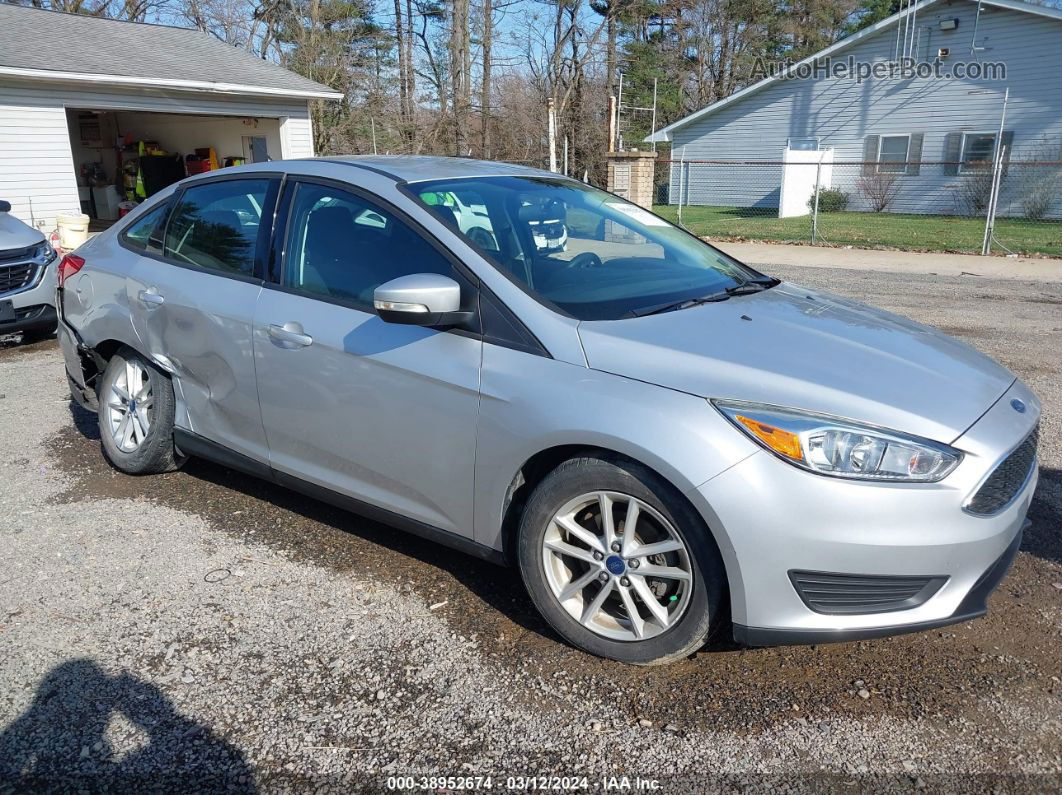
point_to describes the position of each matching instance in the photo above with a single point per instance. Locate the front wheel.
(136, 415)
(619, 563)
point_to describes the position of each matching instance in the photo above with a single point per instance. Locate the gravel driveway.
(203, 630)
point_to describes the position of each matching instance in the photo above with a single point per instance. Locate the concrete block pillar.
(630, 175)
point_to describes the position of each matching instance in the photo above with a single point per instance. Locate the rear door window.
(215, 226)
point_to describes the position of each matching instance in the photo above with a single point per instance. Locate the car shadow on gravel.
(66, 739)
(258, 510)
(1044, 538)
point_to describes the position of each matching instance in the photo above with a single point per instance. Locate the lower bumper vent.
(848, 594)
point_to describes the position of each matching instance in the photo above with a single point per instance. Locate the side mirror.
(420, 299)
(5, 207)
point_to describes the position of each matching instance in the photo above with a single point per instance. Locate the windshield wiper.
(752, 286)
(745, 288)
(671, 306)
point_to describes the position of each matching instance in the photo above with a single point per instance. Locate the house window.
(978, 149)
(893, 154)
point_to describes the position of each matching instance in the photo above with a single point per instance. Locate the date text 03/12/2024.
(523, 783)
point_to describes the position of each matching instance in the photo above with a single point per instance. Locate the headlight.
(43, 253)
(841, 448)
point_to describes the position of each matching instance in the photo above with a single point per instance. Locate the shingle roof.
(47, 41)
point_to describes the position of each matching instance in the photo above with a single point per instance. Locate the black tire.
(705, 610)
(156, 453)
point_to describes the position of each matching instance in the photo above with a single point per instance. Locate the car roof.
(415, 168)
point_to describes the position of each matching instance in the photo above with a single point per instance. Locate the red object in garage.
(197, 166)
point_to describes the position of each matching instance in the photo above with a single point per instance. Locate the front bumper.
(974, 605)
(34, 304)
(771, 519)
(31, 318)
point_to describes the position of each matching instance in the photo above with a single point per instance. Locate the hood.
(15, 235)
(807, 349)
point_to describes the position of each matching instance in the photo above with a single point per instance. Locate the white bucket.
(73, 230)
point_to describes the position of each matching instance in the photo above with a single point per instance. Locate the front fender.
(532, 403)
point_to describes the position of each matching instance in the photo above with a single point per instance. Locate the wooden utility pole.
(484, 95)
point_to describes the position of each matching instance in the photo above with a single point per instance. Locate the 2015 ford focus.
(663, 440)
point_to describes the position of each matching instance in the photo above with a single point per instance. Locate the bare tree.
(460, 73)
(879, 189)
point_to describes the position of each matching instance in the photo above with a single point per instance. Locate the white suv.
(27, 279)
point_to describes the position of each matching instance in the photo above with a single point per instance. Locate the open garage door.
(122, 157)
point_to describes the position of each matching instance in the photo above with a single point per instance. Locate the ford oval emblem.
(1018, 406)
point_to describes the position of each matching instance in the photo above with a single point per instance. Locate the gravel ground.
(202, 630)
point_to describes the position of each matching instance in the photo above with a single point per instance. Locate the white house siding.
(841, 113)
(296, 136)
(36, 165)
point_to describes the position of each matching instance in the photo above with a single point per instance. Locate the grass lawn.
(871, 230)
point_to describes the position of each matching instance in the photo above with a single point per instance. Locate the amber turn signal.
(782, 442)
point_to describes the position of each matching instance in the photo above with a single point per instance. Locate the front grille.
(14, 255)
(845, 594)
(1007, 479)
(15, 277)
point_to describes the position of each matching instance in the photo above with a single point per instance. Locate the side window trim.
(531, 344)
(278, 241)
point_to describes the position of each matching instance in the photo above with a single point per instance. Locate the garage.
(123, 109)
(122, 157)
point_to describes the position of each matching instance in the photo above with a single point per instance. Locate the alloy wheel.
(129, 407)
(617, 566)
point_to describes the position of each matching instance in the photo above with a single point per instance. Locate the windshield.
(587, 252)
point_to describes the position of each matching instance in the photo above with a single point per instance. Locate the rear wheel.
(619, 563)
(136, 415)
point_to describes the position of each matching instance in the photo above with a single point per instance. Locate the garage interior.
(123, 157)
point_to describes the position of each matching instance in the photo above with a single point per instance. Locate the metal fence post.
(993, 200)
(687, 188)
(682, 171)
(815, 211)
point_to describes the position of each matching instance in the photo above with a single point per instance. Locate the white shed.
(79, 94)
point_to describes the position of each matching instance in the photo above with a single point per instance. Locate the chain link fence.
(912, 206)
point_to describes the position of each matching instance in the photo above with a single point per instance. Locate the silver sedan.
(664, 442)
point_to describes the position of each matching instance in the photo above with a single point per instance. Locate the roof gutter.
(177, 85)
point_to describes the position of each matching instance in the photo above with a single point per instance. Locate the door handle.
(151, 297)
(290, 332)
